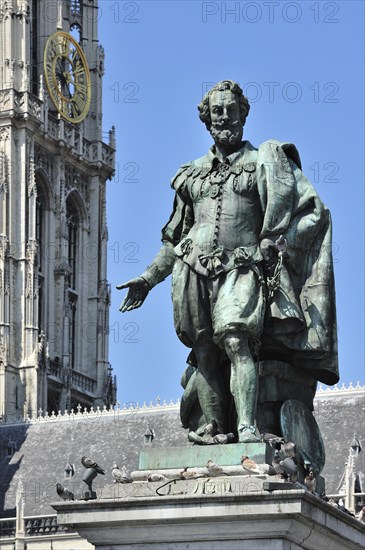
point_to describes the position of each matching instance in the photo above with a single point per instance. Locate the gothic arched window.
(34, 47)
(40, 228)
(41, 238)
(73, 241)
(73, 224)
(75, 31)
(75, 7)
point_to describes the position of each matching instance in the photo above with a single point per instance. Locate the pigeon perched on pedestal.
(214, 469)
(286, 468)
(189, 474)
(211, 428)
(277, 466)
(272, 439)
(288, 449)
(156, 476)
(310, 482)
(89, 463)
(223, 439)
(289, 466)
(120, 476)
(64, 493)
(250, 467)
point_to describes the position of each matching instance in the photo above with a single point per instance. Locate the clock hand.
(63, 81)
(69, 92)
(68, 81)
(59, 68)
(64, 84)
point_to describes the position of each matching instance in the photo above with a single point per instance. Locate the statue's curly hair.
(234, 87)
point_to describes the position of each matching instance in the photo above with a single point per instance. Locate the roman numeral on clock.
(78, 104)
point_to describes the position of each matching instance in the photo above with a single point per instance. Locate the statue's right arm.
(139, 287)
(161, 266)
(178, 225)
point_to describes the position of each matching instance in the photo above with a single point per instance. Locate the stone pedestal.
(211, 513)
(198, 455)
(170, 463)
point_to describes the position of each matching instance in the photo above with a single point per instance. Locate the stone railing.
(55, 369)
(42, 525)
(132, 408)
(33, 526)
(78, 380)
(82, 381)
(83, 413)
(331, 391)
(7, 528)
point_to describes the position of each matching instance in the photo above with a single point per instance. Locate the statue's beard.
(227, 134)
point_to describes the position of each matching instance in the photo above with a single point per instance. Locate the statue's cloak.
(300, 326)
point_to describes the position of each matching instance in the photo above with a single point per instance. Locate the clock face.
(67, 76)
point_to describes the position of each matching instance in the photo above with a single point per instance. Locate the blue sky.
(301, 65)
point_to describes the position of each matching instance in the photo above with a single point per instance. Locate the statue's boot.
(247, 434)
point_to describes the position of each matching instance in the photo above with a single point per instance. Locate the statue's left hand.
(137, 293)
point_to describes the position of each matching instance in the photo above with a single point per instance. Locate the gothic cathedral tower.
(54, 295)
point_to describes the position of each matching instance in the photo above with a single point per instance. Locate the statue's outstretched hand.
(137, 293)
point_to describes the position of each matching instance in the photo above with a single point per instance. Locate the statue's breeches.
(208, 309)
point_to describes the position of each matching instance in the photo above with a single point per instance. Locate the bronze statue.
(249, 247)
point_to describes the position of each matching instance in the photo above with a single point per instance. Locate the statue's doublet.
(222, 231)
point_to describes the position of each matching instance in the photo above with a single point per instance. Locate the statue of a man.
(249, 247)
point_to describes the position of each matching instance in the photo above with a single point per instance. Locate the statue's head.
(224, 110)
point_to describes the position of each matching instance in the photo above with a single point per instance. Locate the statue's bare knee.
(236, 345)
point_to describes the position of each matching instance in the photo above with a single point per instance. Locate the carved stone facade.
(54, 295)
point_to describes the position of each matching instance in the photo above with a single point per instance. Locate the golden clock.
(67, 76)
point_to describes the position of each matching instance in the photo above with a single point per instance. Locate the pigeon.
(156, 477)
(211, 428)
(288, 449)
(294, 479)
(64, 493)
(120, 476)
(214, 469)
(277, 466)
(89, 463)
(271, 438)
(189, 474)
(222, 439)
(251, 467)
(341, 506)
(310, 482)
(209, 432)
(285, 467)
(289, 466)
